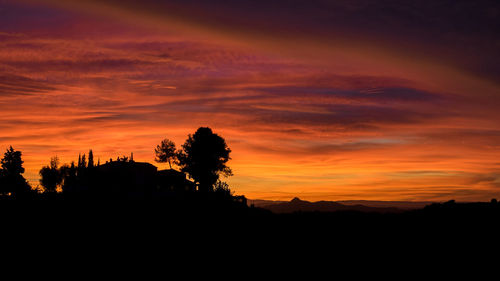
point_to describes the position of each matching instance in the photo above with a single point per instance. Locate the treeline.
(203, 158)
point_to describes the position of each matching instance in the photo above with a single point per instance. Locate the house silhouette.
(134, 179)
(173, 180)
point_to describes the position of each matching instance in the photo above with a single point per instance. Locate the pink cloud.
(295, 125)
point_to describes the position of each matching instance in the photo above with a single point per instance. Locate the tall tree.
(91, 159)
(69, 177)
(11, 179)
(83, 163)
(204, 156)
(12, 164)
(165, 152)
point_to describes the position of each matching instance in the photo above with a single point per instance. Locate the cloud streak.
(303, 117)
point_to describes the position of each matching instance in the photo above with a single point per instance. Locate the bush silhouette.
(51, 176)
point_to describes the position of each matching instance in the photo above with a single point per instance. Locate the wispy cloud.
(346, 120)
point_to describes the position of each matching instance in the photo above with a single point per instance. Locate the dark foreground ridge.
(208, 223)
(167, 209)
(298, 205)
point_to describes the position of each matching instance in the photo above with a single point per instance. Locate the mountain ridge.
(298, 205)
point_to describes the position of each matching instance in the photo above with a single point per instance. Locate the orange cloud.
(320, 119)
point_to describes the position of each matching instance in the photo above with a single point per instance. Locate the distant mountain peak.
(298, 205)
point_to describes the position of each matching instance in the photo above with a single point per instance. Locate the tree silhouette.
(222, 188)
(54, 162)
(122, 159)
(51, 176)
(12, 164)
(83, 163)
(69, 177)
(165, 152)
(204, 156)
(11, 180)
(91, 159)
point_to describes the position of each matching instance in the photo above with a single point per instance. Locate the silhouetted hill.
(260, 203)
(405, 205)
(298, 205)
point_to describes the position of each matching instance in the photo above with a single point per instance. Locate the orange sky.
(333, 112)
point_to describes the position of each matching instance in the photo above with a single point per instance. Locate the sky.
(317, 99)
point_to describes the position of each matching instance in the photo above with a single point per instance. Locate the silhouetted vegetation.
(51, 176)
(91, 159)
(165, 152)
(12, 183)
(129, 190)
(204, 156)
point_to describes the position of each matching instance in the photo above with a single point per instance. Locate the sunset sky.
(319, 99)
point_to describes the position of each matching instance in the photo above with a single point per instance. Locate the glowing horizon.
(321, 110)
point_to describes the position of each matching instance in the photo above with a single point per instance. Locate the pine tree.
(11, 179)
(84, 162)
(91, 159)
(165, 152)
